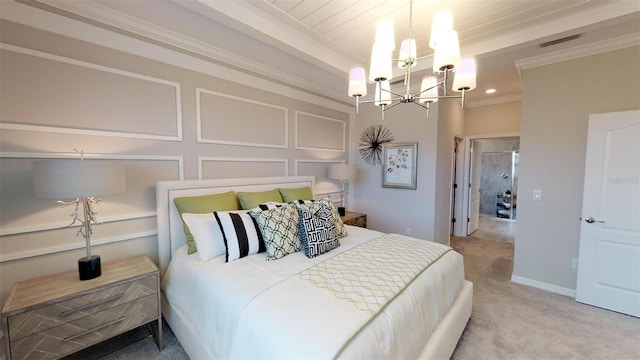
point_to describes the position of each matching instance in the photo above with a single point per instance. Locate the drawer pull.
(99, 327)
(88, 306)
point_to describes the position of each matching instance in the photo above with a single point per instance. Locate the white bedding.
(224, 304)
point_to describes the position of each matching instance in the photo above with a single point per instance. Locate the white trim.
(124, 21)
(494, 101)
(77, 245)
(64, 224)
(58, 24)
(202, 159)
(52, 155)
(544, 286)
(201, 139)
(344, 132)
(313, 161)
(68, 130)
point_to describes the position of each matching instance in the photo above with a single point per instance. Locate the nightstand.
(355, 219)
(56, 315)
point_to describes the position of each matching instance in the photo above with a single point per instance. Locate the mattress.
(255, 308)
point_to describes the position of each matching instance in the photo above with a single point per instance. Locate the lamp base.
(89, 267)
(342, 210)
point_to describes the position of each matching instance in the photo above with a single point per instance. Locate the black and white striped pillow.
(241, 234)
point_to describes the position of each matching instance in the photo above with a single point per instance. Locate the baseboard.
(544, 286)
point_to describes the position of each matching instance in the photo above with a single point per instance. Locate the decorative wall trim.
(298, 161)
(77, 131)
(108, 219)
(297, 134)
(544, 286)
(77, 245)
(201, 139)
(202, 159)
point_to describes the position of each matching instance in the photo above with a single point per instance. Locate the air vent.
(559, 41)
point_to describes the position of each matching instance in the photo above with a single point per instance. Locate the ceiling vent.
(560, 41)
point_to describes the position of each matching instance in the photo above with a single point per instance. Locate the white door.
(609, 262)
(474, 187)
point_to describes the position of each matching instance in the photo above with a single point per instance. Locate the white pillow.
(207, 234)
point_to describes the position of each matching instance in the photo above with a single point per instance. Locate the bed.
(293, 308)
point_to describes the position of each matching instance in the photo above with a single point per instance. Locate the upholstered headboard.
(170, 231)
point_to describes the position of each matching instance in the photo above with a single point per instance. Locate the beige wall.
(165, 122)
(556, 104)
(393, 210)
(493, 119)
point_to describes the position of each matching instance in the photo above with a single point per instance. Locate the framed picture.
(399, 163)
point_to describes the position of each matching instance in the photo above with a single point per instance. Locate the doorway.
(491, 183)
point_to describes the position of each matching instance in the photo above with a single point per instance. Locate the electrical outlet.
(407, 231)
(574, 263)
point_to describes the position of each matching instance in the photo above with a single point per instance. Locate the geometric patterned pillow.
(317, 231)
(279, 228)
(315, 205)
(241, 234)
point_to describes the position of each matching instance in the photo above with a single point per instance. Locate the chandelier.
(446, 60)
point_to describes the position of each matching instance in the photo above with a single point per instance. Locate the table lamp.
(82, 180)
(343, 174)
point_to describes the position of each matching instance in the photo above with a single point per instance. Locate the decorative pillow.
(269, 205)
(314, 206)
(279, 229)
(241, 234)
(206, 233)
(303, 193)
(250, 200)
(317, 231)
(201, 205)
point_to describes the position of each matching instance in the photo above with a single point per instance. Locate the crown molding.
(579, 51)
(494, 101)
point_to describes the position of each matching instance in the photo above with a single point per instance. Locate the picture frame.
(399, 165)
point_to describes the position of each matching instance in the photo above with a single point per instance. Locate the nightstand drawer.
(47, 317)
(85, 331)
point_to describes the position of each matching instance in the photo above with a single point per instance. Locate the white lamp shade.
(346, 172)
(465, 75)
(69, 179)
(383, 96)
(408, 51)
(431, 95)
(442, 23)
(447, 54)
(384, 36)
(380, 68)
(357, 82)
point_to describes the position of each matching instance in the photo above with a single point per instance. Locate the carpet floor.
(509, 321)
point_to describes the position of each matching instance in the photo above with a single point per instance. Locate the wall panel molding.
(202, 138)
(203, 159)
(320, 132)
(299, 161)
(111, 133)
(15, 230)
(76, 245)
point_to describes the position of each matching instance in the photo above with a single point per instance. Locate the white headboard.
(170, 230)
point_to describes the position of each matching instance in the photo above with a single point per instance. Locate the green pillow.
(303, 193)
(202, 205)
(250, 200)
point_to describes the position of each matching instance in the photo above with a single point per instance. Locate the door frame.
(457, 177)
(462, 212)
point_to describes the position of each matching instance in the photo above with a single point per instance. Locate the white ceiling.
(281, 38)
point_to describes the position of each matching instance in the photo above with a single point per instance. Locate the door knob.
(591, 220)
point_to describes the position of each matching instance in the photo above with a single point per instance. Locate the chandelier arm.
(387, 107)
(422, 105)
(373, 100)
(440, 82)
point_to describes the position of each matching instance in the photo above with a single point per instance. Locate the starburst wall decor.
(371, 141)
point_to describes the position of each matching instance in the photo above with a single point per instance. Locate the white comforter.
(231, 307)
